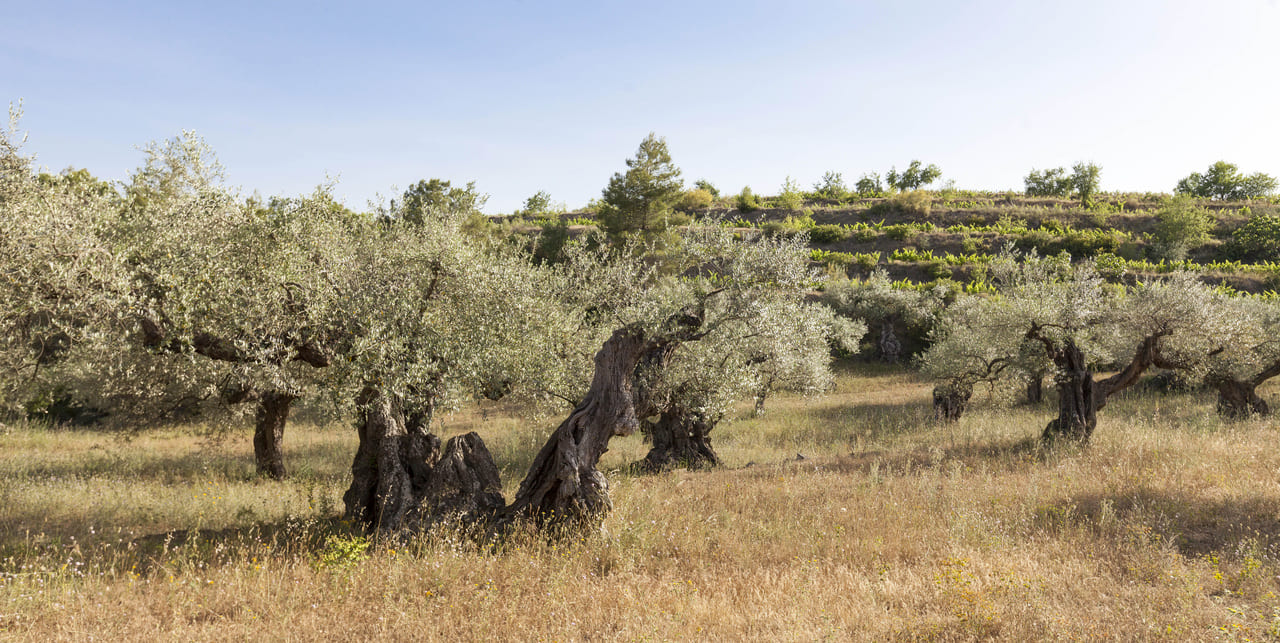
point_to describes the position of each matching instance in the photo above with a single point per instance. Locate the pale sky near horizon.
(526, 96)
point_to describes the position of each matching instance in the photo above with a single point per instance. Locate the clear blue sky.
(523, 96)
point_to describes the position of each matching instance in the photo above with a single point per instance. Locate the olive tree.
(885, 309)
(783, 345)
(1081, 325)
(1245, 356)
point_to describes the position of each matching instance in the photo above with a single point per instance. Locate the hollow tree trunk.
(681, 438)
(268, 433)
(890, 347)
(1239, 399)
(950, 401)
(401, 480)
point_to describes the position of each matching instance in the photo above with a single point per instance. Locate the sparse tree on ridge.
(641, 201)
(914, 177)
(1223, 181)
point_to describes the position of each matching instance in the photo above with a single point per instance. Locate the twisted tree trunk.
(563, 484)
(681, 437)
(1079, 396)
(890, 347)
(401, 480)
(268, 433)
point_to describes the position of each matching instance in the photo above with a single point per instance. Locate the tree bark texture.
(1080, 397)
(890, 347)
(563, 484)
(681, 438)
(1035, 389)
(950, 400)
(401, 479)
(268, 433)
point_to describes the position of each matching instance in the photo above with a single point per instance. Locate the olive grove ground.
(1164, 528)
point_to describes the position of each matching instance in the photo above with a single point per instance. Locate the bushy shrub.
(828, 233)
(869, 185)
(694, 200)
(1051, 182)
(710, 188)
(901, 232)
(1257, 240)
(937, 269)
(1223, 181)
(832, 187)
(1180, 226)
(915, 203)
(790, 198)
(746, 201)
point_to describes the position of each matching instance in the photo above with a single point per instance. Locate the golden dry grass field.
(1166, 528)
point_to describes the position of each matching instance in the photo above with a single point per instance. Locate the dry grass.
(1166, 528)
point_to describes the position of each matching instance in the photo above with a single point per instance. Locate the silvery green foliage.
(186, 291)
(55, 271)
(875, 300)
(1047, 301)
(756, 329)
(1249, 349)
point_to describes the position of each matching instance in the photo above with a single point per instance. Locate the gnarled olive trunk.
(1078, 401)
(681, 438)
(890, 347)
(268, 433)
(950, 400)
(1239, 399)
(401, 479)
(563, 484)
(1080, 397)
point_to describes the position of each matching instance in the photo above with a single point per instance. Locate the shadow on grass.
(875, 421)
(312, 461)
(1004, 456)
(1194, 525)
(292, 538)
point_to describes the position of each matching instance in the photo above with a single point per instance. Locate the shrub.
(746, 201)
(693, 200)
(790, 198)
(1109, 265)
(901, 232)
(1257, 240)
(1084, 181)
(914, 177)
(914, 203)
(1180, 226)
(937, 269)
(869, 185)
(828, 233)
(1053, 182)
(710, 188)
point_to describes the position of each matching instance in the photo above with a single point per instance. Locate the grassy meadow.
(887, 528)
